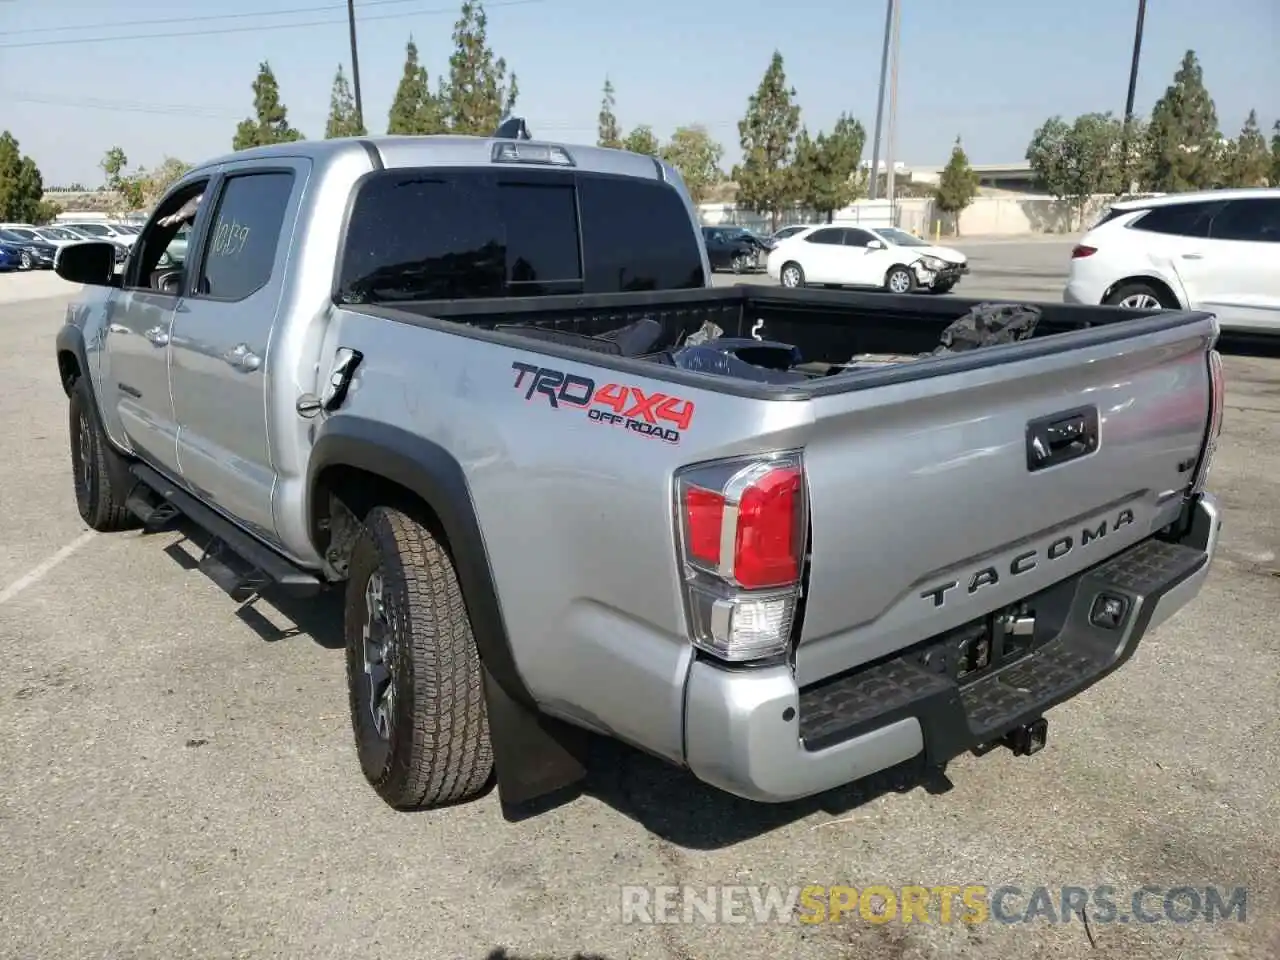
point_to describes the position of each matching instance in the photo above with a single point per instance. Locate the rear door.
(930, 509)
(1243, 257)
(823, 255)
(222, 338)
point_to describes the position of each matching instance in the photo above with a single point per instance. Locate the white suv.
(1215, 250)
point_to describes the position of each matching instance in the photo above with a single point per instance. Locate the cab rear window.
(431, 234)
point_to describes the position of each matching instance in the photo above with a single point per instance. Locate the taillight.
(743, 531)
(1217, 405)
(1080, 250)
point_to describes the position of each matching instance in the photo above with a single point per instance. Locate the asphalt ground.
(177, 778)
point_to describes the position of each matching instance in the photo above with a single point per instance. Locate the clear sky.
(72, 85)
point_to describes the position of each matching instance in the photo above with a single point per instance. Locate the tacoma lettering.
(1028, 560)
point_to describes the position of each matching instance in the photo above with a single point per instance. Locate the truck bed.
(885, 338)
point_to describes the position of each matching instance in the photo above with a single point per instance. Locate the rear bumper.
(756, 734)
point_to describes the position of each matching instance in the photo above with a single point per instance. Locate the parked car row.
(25, 246)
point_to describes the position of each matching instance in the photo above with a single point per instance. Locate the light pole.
(873, 186)
(1123, 185)
(355, 62)
(893, 109)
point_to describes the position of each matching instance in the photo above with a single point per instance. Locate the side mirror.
(875, 245)
(92, 262)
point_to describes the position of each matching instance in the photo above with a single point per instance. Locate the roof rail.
(512, 128)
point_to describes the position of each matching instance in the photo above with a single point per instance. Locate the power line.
(208, 18)
(257, 28)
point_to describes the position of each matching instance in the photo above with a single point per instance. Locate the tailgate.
(933, 502)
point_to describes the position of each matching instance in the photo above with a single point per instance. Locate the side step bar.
(265, 566)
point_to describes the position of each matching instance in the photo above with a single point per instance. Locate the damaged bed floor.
(177, 778)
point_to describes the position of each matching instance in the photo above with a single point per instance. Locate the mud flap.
(535, 757)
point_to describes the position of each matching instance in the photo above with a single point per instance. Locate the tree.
(692, 151)
(478, 94)
(415, 109)
(1248, 161)
(1183, 147)
(957, 186)
(141, 189)
(642, 140)
(114, 163)
(827, 169)
(608, 133)
(21, 186)
(1275, 155)
(1073, 163)
(343, 120)
(767, 134)
(271, 121)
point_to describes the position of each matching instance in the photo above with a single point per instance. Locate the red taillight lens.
(768, 542)
(1080, 250)
(704, 520)
(742, 537)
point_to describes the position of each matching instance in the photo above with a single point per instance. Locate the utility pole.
(1123, 185)
(873, 186)
(890, 147)
(355, 63)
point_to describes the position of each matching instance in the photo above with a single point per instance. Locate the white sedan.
(882, 257)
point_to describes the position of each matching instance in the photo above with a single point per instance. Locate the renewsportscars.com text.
(967, 904)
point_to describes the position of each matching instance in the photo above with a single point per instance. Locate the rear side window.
(442, 234)
(1255, 219)
(1180, 219)
(831, 236)
(240, 251)
(636, 235)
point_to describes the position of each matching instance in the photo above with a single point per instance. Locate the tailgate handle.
(1061, 437)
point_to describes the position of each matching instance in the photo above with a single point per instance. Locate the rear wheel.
(1139, 296)
(792, 275)
(413, 671)
(899, 280)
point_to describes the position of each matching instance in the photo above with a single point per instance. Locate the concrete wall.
(986, 216)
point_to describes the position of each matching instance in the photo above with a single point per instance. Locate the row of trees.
(22, 197)
(1180, 147)
(783, 165)
(472, 98)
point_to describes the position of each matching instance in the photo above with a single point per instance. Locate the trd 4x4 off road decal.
(612, 404)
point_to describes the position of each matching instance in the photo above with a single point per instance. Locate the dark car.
(735, 248)
(32, 254)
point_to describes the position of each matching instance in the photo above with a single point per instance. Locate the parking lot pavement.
(177, 779)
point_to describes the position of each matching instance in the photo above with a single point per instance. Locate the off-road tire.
(899, 269)
(99, 502)
(437, 750)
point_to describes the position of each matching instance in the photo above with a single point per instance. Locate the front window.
(900, 238)
(17, 233)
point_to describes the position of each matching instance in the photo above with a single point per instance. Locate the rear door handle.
(1061, 437)
(157, 336)
(1193, 256)
(242, 358)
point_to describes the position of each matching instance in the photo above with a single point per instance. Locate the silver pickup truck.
(482, 387)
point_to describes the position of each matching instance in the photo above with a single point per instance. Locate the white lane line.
(41, 570)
